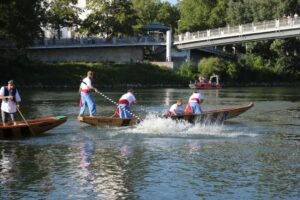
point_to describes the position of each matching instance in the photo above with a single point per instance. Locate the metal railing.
(97, 41)
(229, 31)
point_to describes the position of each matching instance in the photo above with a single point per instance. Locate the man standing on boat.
(193, 105)
(126, 100)
(10, 101)
(87, 99)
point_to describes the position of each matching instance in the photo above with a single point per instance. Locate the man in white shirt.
(10, 101)
(176, 109)
(126, 100)
(193, 105)
(87, 99)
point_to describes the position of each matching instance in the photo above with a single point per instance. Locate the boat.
(33, 127)
(215, 116)
(209, 116)
(108, 121)
(213, 83)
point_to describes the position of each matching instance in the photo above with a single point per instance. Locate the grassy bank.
(106, 74)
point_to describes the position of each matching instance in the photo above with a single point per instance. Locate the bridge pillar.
(168, 46)
(188, 55)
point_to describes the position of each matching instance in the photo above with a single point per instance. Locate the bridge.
(131, 48)
(279, 28)
(94, 42)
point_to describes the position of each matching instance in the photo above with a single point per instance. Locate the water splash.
(157, 125)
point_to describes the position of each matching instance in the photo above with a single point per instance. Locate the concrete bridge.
(279, 28)
(131, 48)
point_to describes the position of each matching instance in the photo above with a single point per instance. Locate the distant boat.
(213, 83)
(36, 127)
(209, 116)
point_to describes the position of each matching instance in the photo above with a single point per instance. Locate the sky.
(172, 1)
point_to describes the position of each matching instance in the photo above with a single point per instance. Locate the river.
(254, 156)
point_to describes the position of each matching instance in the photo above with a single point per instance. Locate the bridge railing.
(93, 41)
(257, 27)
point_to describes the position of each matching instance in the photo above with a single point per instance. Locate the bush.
(71, 73)
(188, 69)
(256, 69)
(227, 70)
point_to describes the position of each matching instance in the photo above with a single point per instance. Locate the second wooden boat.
(108, 121)
(215, 116)
(36, 127)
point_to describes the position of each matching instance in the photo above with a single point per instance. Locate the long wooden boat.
(215, 116)
(209, 116)
(36, 127)
(108, 121)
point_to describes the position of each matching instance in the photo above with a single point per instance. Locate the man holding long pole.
(10, 101)
(86, 98)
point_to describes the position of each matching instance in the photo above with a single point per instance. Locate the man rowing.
(176, 109)
(10, 101)
(86, 98)
(125, 102)
(193, 105)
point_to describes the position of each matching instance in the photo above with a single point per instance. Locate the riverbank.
(69, 75)
(28, 74)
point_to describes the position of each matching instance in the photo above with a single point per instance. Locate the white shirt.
(195, 96)
(87, 83)
(178, 109)
(9, 105)
(129, 97)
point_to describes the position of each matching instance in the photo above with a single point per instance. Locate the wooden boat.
(209, 116)
(108, 121)
(36, 127)
(215, 116)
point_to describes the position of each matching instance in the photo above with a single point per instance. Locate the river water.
(254, 156)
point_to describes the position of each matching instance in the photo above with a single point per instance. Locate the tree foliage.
(214, 65)
(115, 18)
(21, 21)
(63, 13)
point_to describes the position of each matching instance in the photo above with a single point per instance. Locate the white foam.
(156, 125)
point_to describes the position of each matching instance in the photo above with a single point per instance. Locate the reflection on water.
(255, 156)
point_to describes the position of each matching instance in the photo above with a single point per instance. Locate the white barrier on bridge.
(228, 31)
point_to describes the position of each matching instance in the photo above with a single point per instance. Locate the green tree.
(146, 11)
(225, 69)
(168, 15)
(20, 21)
(216, 18)
(287, 54)
(115, 18)
(195, 14)
(188, 69)
(63, 13)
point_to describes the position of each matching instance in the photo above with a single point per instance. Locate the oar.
(25, 120)
(112, 101)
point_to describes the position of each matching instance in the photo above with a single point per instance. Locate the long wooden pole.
(25, 120)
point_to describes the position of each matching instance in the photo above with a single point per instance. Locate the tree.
(146, 12)
(20, 21)
(217, 14)
(63, 13)
(167, 14)
(195, 14)
(287, 54)
(115, 18)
